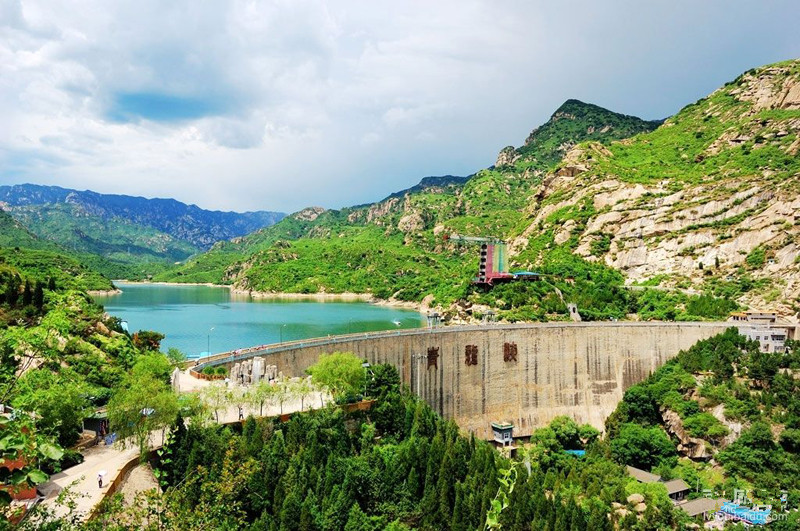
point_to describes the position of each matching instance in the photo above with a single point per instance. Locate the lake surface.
(187, 315)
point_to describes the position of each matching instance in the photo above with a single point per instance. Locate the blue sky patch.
(133, 106)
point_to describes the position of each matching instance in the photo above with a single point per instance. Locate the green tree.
(790, 440)
(262, 394)
(216, 397)
(152, 364)
(27, 294)
(302, 389)
(641, 447)
(284, 392)
(640, 405)
(147, 340)
(588, 434)
(383, 379)
(12, 290)
(341, 373)
(141, 406)
(566, 432)
(176, 357)
(38, 296)
(762, 367)
(59, 401)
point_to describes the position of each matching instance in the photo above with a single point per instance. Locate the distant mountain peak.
(572, 103)
(199, 227)
(573, 122)
(433, 181)
(309, 213)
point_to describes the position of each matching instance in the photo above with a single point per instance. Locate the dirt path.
(137, 480)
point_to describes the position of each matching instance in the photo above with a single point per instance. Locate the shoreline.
(419, 307)
(103, 292)
(151, 283)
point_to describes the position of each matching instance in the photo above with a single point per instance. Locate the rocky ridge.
(688, 232)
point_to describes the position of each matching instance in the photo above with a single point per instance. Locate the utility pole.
(208, 342)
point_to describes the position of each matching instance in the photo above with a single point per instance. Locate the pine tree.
(309, 513)
(12, 290)
(27, 294)
(357, 520)
(51, 284)
(38, 296)
(598, 519)
(290, 512)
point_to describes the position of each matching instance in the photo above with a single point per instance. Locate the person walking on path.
(100, 481)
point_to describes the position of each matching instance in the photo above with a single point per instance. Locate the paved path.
(82, 478)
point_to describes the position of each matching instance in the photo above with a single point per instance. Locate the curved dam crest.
(525, 374)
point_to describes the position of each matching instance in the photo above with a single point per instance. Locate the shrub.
(642, 447)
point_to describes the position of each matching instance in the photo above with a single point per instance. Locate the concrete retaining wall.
(575, 369)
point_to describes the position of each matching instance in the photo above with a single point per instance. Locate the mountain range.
(687, 217)
(701, 204)
(141, 234)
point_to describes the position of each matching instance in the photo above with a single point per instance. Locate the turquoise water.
(187, 314)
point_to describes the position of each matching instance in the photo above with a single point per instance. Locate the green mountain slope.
(31, 258)
(708, 202)
(729, 411)
(702, 207)
(394, 248)
(116, 239)
(124, 236)
(14, 234)
(573, 122)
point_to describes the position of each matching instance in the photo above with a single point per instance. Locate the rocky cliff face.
(710, 199)
(690, 447)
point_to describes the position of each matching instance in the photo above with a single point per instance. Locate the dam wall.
(524, 374)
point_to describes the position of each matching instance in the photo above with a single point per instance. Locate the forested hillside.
(400, 466)
(395, 249)
(124, 236)
(722, 415)
(61, 357)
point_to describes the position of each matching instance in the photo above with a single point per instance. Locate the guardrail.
(274, 348)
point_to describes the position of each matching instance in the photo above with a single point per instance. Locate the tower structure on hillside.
(493, 263)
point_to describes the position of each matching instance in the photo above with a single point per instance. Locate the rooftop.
(702, 505)
(676, 485)
(642, 475)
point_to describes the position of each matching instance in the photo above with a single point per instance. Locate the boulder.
(635, 499)
(690, 447)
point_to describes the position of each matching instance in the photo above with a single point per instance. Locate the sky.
(279, 105)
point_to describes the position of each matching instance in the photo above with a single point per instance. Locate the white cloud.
(281, 104)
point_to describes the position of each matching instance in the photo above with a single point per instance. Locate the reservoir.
(197, 319)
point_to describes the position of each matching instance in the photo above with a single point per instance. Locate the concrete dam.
(525, 374)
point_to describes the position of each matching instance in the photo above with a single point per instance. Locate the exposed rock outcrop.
(690, 447)
(507, 157)
(308, 214)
